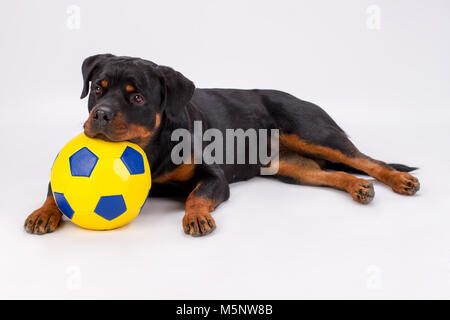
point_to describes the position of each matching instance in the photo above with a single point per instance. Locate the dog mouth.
(104, 136)
(119, 131)
(101, 134)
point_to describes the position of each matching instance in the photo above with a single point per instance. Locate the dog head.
(129, 97)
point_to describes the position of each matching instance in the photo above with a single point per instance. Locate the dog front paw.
(43, 220)
(198, 224)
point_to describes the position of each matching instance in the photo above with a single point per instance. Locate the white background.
(388, 88)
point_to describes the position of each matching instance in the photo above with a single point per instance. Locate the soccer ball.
(100, 185)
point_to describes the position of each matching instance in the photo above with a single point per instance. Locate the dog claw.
(198, 224)
(362, 192)
(404, 183)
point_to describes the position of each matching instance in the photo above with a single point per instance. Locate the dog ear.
(88, 67)
(177, 90)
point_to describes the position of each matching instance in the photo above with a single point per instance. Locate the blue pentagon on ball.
(110, 207)
(82, 162)
(63, 205)
(133, 161)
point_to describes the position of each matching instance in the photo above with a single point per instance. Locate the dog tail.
(345, 168)
(402, 167)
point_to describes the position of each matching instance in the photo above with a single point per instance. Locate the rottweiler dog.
(142, 102)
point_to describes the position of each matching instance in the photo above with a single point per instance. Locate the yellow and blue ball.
(100, 185)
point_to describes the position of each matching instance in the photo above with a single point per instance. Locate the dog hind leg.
(303, 170)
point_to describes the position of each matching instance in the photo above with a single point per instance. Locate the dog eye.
(137, 98)
(98, 90)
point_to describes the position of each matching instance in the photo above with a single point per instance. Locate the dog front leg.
(45, 219)
(211, 190)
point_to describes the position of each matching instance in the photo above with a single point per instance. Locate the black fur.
(170, 94)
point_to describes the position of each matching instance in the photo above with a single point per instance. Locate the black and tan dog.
(137, 100)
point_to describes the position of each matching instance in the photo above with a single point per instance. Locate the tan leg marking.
(197, 220)
(45, 219)
(400, 182)
(307, 171)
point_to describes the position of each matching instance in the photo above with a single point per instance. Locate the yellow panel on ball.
(100, 185)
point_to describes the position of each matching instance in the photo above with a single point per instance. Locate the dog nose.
(103, 115)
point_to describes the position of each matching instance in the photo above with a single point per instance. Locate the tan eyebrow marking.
(129, 88)
(104, 83)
